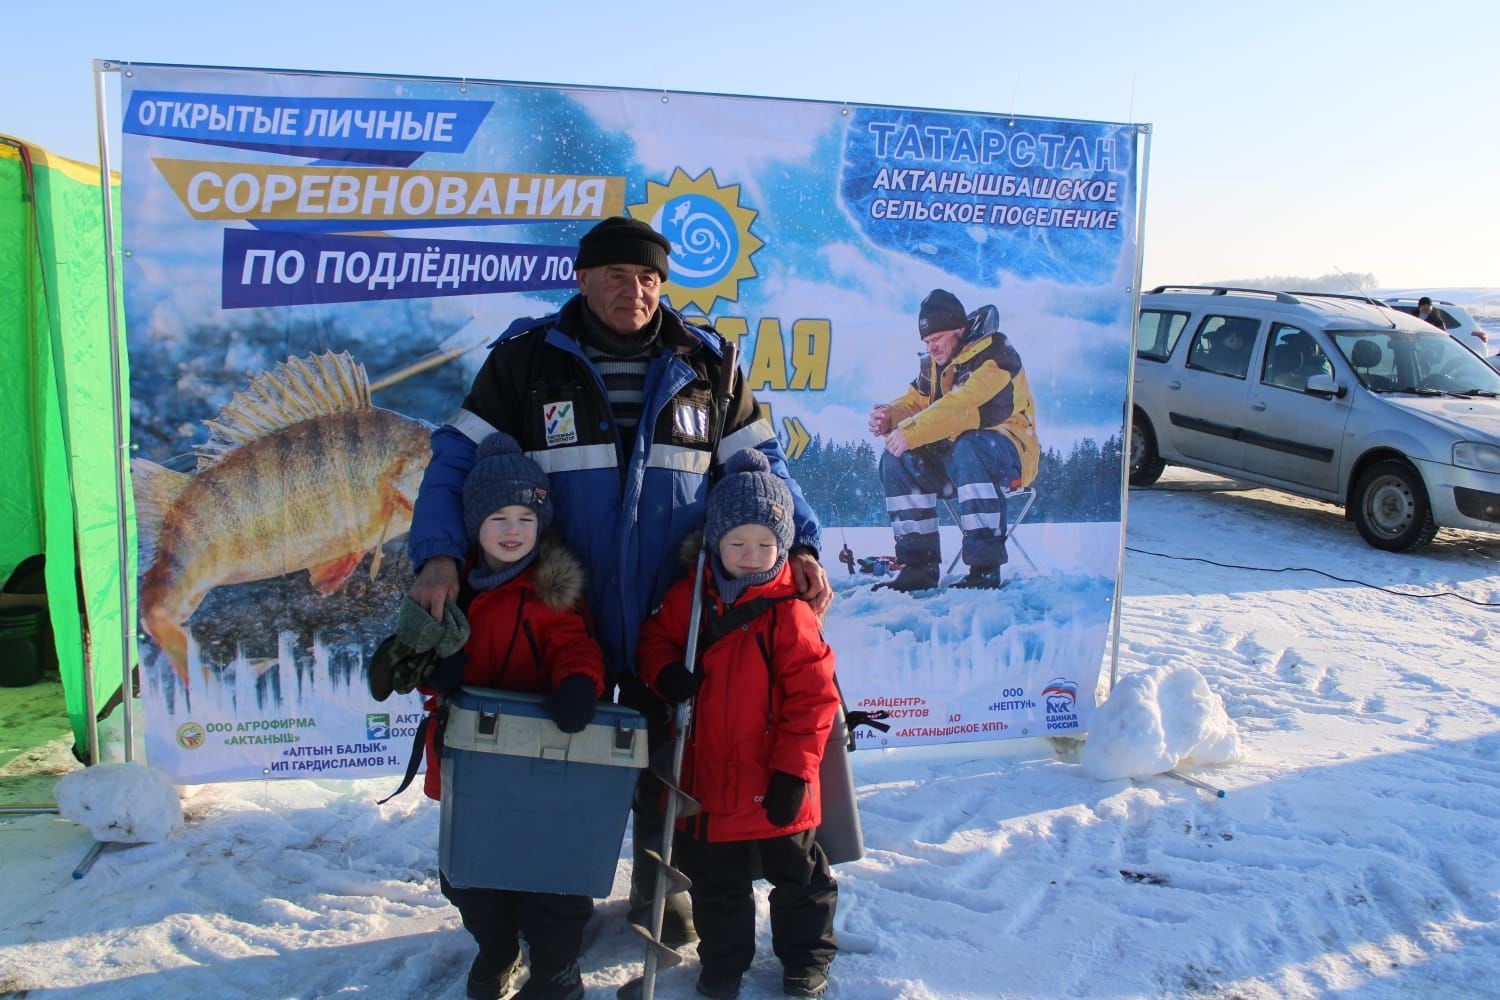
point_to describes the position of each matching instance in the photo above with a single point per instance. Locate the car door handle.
(1174, 384)
(1258, 407)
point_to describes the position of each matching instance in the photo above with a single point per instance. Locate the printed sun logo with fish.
(710, 235)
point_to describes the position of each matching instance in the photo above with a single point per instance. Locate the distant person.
(1225, 350)
(1232, 349)
(1431, 315)
(846, 556)
(966, 424)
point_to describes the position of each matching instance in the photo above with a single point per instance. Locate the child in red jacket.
(764, 704)
(526, 633)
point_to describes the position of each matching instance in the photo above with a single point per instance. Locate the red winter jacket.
(544, 598)
(745, 723)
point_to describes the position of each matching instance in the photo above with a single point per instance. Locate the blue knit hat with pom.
(502, 476)
(749, 493)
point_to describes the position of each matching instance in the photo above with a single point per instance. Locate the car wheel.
(1146, 463)
(1390, 507)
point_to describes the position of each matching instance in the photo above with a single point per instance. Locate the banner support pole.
(127, 699)
(1135, 319)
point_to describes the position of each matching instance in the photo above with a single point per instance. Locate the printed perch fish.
(299, 472)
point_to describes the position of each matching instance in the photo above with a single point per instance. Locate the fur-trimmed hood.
(557, 576)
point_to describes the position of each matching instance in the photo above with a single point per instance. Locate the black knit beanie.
(620, 240)
(941, 310)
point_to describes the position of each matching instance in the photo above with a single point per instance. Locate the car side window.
(1370, 355)
(1223, 344)
(1292, 358)
(1157, 333)
(1445, 320)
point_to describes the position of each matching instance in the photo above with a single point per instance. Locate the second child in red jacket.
(526, 633)
(764, 704)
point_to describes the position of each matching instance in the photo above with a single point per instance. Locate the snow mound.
(1157, 720)
(126, 803)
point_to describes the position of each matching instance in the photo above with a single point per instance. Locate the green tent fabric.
(58, 485)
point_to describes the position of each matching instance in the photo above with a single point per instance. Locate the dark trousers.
(552, 924)
(804, 896)
(975, 468)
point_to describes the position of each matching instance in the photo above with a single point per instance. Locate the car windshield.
(1421, 362)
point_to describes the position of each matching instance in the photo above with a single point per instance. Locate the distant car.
(1457, 321)
(1334, 397)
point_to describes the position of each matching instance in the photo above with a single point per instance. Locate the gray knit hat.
(749, 493)
(621, 240)
(502, 476)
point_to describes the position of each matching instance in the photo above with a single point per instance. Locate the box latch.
(489, 718)
(624, 737)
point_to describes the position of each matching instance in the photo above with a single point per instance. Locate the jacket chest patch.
(689, 420)
(560, 421)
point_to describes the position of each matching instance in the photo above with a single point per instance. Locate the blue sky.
(1287, 140)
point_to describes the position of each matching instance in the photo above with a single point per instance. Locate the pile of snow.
(1157, 720)
(124, 803)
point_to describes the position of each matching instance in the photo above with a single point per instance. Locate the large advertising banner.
(932, 307)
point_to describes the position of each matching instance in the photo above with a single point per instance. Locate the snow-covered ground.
(1354, 853)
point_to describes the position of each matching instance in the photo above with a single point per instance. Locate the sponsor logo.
(560, 423)
(190, 736)
(377, 726)
(1060, 701)
(710, 235)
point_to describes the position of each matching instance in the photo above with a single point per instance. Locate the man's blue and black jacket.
(624, 517)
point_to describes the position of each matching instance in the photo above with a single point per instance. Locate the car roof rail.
(1343, 295)
(1414, 299)
(1225, 290)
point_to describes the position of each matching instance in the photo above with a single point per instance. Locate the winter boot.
(564, 984)
(722, 985)
(813, 983)
(982, 578)
(490, 979)
(913, 577)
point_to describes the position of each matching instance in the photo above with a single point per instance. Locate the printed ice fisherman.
(965, 428)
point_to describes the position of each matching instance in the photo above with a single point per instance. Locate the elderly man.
(967, 428)
(612, 397)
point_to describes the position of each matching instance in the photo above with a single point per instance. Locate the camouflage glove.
(406, 659)
(397, 667)
(417, 630)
